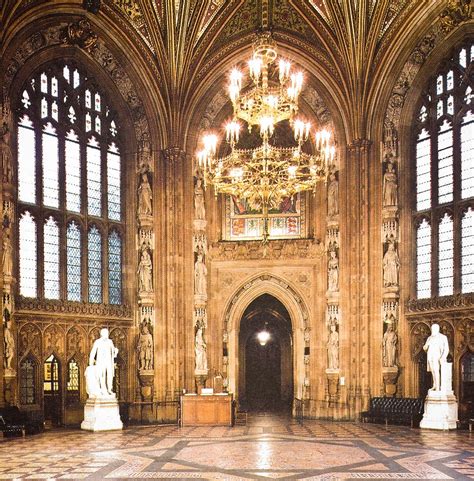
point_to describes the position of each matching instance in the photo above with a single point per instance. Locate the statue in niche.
(333, 195)
(333, 347)
(6, 154)
(7, 262)
(333, 271)
(199, 207)
(9, 342)
(145, 347)
(391, 265)
(145, 272)
(390, 186)
(200, 349)
(144, 155)
(437, 348)
(100, 372)
(200, 276)
(389, 347)
(145, 196)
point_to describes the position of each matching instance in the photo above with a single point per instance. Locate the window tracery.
(69, 165)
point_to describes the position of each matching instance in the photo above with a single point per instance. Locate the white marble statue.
(333, 272)
(391, 265)
(199, 207)
(333, 195)
(145, 272)
(333, 348)
(200, 276)
(389, 347)
(145, 348)
(145, 196)
(437, 348)
(390, 186)
(200, 350)
(100, 372)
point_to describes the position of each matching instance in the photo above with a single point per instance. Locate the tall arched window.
(69, 189)
(444, 183)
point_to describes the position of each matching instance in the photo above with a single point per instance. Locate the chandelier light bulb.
(236, 78)
(292, 171)
(232, 130)
(234, 92)
(291, 92)
(255, 68)
(284, 70)
(266, 126)
(202, 158)
(263, 337)
(210, 144)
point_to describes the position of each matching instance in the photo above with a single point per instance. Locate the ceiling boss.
(267, 174)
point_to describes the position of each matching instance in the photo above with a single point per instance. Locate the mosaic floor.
(266, 448)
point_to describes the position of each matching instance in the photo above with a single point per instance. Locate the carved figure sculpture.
(145, 348)
(391, 264)
(200, 276)
(390, 186)
(333, 348)
(389, 347)
(145, 272)
(200, 350)
(333, 195)
(7, 264)
(99, 380)
(437, 348)
(9, 343)
(199, 207)
(333, 272)
(6, 155)
(145, 196)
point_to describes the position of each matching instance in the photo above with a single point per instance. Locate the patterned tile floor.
(268, 447)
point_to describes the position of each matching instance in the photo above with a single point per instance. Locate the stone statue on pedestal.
(333, 195)
(333, 348)
(9, 345)
(391, 264)
(145, 348)
(200, 350)
(389, 347)
(333, 271)
(145, 272)
(200, 276)
(100, 372)
(145, 196)
(390, 186)
(199, 207)
(437, 348)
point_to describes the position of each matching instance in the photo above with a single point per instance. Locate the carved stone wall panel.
(30, 341)
(53, 341)
(76, 343)
(119, 337)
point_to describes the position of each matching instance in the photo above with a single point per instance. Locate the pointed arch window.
(28, 376)
(444, 180)
(73, 394)
(70, 175)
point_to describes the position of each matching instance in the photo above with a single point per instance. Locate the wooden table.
(206, 410)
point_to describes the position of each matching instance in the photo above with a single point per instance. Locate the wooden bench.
(395, 410)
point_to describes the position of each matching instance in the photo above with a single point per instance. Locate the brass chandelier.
(264, 176)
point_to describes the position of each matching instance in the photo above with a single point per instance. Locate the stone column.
(8, 348)
(200, 285)
(390, 263)
(146, 262)
(357, 279)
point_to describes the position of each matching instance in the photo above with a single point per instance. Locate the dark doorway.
(266, 365)
(52, 392)
(424, 377)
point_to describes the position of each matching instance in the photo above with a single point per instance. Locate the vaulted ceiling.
(347, 46)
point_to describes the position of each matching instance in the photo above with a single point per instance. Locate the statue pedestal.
(101, 414)
(441, 411)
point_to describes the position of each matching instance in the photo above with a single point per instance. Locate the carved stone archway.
(238, 302)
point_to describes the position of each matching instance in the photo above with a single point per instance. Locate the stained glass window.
(467, 251)
(68, 159)
(26, 161)
(94, 191)
(73, 245)
(28, 381)
(94, 265)
(423, 260)
(446, 256)
(27, 255)
(115, 271)
(444, 175)
(113, 183)
(73, 172)
(51, 259)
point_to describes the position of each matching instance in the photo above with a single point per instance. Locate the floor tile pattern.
(268, 447)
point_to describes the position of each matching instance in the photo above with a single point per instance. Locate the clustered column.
(200, 284)
(9, 345)
(390, 263)
(332, 294)
(145, 256)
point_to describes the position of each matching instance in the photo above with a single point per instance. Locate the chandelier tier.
(264, 176)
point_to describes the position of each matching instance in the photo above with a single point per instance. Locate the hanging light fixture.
(266, 175)
(263, 337)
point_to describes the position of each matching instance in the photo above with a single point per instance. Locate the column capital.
(174, 154)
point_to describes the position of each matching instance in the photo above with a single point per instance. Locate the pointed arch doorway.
(266, 361)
